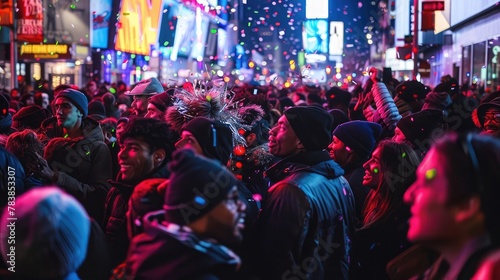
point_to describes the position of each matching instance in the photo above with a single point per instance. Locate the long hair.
(398, 163)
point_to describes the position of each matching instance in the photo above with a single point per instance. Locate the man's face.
(492, 122)
(189, 142)
(154, 113)
(282, 139)
(140, 105)
(339, 152)
(432, 219)
(135, 160)
(67, 114)
(225, 222)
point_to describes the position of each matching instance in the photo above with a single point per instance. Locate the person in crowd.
(141, 92)
(410, 96)
(52, 233)
(438, 101)
(459, 113)
(82, 165)
(108, 126)
(338, 98)
(299, 99)
(109, 102)
(146, 146)
(454, 204)
(5, 120)
(305, 226)
(382, 234)
(351, 146)
(30, 117)
(339, 117)
(157, 105)
(42, 99)
(249, 162)
(188, 239)
(421, 129)
(13, 181)
(96, 110)
(26, 146)
(488, 114)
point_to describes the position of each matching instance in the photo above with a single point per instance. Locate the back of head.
(146, 197)
(30, 117)
(312, 125)
(157, 134)
(411, 90)
(51, 233)
(214, 137)
(360, 136)
(338, 98)
(422, 127)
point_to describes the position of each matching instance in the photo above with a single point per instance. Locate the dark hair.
(471, 168)
(398, 163)
(25, 145)
(109, 125)
(157, 134)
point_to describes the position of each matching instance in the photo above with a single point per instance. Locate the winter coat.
(83, 165)
(306, 223)
(116, 207)
(170, 251)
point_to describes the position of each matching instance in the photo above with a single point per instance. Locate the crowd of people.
(391, 180)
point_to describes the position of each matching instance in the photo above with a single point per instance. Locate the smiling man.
(489, 117)
(304, 228)
(146, 146)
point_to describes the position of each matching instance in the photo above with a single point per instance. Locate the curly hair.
(157, 134)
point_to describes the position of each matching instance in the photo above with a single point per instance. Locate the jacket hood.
(318, 162)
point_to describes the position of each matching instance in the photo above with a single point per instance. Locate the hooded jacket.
(307, 220)
(83, 165)
(170, 251)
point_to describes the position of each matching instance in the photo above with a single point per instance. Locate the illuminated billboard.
(100, 16)
(317, 9)
(138, 26)
(336, 46)
(315, 36)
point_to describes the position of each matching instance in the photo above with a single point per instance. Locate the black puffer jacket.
(306, 223)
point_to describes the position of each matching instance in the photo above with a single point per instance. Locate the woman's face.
(373, 172)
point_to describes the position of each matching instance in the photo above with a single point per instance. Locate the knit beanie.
(312, 125)
(481, 110)
(197, 185)
(51, 233)
(161, 101)
(77, 98)
(411, 90)
(96, 110)
(437, 100)
(336, 96)
(339, 117)
(30, 117)
(418, 126)
(147, 196)
(360, 136)
(214, 137)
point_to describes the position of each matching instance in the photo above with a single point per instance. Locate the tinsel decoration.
(213, 103)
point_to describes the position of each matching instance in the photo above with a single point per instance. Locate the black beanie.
(30, 117)
(411, 90)
(360, 136)
(77, 98)
(214, 137)
(197, 185)
(312, 125)
(419, 126)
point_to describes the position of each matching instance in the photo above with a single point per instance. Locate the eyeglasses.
(471, 154)
(492, 117)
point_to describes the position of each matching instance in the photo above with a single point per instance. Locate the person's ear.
(469, 209)
(251, 138)
(300, 145)
(158, 156)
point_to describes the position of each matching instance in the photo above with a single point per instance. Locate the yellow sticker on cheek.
(430, 174)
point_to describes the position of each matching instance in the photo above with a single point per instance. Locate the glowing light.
(430, 174)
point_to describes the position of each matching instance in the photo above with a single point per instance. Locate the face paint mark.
(430, 174)
(375, 170)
